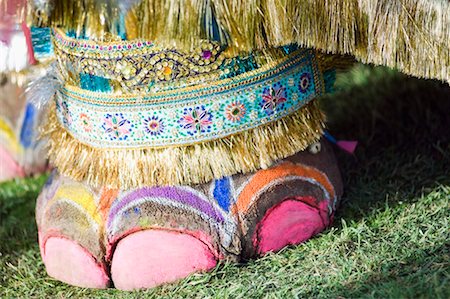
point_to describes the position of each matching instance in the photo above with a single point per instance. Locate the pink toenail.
(152, 257)
(290, 222)
(67, 261)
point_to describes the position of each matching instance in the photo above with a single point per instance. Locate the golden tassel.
(245, 152)
(410, 35)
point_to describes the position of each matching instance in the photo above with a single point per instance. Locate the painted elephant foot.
(130, 239)
(71, 234)
(288, 203)
(158, 235)
(154, 235)
(20, 150)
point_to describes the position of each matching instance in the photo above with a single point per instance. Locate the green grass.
(391, 237)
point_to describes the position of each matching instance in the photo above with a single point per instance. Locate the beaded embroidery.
(191, 115)
(134, 64)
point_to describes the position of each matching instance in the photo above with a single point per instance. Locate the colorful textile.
(190, 115)
(141, 115)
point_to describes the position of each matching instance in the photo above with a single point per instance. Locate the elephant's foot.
(21, 151)
(155, 235)
(71, 234)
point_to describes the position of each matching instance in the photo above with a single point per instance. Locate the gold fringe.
(130, 168)
(411, 35)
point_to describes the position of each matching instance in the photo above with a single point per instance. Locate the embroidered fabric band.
(191, 115)
(134, 65)
(132, 114)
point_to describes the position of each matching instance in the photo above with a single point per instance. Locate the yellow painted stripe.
(78, 194)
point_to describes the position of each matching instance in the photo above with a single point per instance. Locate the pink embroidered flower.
(85, 121)
(235, 111)
(196, 120)
(117, 126)
(273, 98)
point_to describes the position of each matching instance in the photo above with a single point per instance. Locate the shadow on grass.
(403, 126)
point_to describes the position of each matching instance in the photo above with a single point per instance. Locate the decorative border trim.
(128, 168)
(136, 64)
(191, 115)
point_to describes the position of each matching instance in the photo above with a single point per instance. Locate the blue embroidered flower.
(117, 126)
(153, 125)
(196, 120)
(273, 98)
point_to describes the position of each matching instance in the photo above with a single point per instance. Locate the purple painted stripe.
(170, 193)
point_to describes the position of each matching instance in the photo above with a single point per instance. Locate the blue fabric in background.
(28, 129)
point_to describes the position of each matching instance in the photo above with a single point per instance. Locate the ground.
(391, 236)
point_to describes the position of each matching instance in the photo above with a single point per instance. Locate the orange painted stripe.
(106, 199)
(265, 177)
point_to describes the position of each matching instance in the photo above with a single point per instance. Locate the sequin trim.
(136, 64)
(191, 115)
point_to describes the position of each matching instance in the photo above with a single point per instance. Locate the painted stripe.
(171, 193)
(81, 196)
(222, 192)
(265, 177)
(227, 227)
(93, 223)
(282, 180)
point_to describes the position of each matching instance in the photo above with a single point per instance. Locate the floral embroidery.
(189, 117)
(273, 98)
(235, 111)
(85, 122)
(196, 120)
(117, 126)
(164, 70)
(304, 82)
(153, 125)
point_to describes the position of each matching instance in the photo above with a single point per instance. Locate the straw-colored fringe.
(411, 35)
(192, 164)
